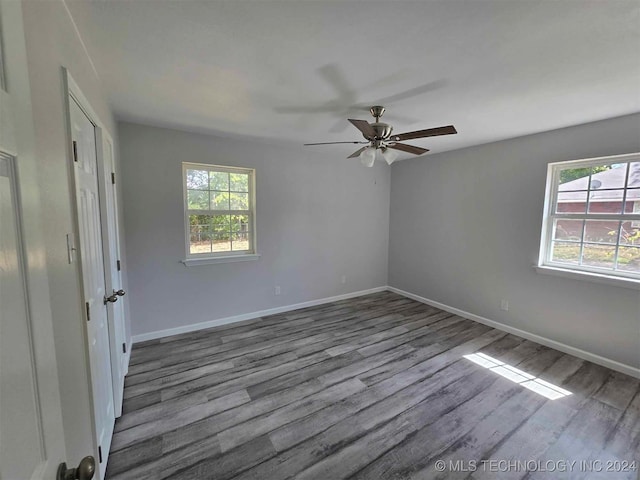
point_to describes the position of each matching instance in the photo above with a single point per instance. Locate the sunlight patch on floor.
(518, 376)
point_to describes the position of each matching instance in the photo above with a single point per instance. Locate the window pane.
(574, 179)
(601, 256)
(630, 233)
(565, 252)
(569, 230)
(571, 202)
(219, 181)
(200, 247)
(198, 200)
(239, 201)
(197, 179)
(634, 175)
(220, 200)
(221, 223)
(239, 182)
(200, 233)
(608, 176)
(606, 201)
(200, 221)
(602, 231)
(221, 242)
(633, 201)
(239, 223)
(629, 259)
(240, 241)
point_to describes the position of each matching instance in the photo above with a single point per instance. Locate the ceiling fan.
(379, 136)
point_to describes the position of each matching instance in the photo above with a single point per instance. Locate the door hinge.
(113, 178)
(75, 151)
(118, 264)
(88, 312)
(124, 348)
(100, 453)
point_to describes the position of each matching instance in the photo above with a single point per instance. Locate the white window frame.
(219, 257)
(545, 262)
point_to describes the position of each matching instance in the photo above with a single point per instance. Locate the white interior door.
(112, 266)
(25, 406)
(31, 428)
(83, 135)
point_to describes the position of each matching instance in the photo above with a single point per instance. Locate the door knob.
(111, 298)
(119, 293)
(85, 470)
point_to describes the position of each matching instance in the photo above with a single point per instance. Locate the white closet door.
(83, 134)
(112, 265)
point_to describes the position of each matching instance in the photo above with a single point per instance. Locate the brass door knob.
(85, 470)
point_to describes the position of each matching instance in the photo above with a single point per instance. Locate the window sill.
(192, 262)
(589, 276)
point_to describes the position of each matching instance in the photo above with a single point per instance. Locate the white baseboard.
(591, 357)
(249, 316)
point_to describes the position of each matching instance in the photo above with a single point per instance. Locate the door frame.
(72, 92)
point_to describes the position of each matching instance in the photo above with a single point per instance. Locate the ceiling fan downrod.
(377, 111)
(381, 131)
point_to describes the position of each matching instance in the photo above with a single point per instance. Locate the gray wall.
(319, 216)
(465, 231)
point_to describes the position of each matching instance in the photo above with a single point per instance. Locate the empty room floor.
(374, 387)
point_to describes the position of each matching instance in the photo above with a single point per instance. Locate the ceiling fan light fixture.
(378, 137)
(389, 155)
(368, 156)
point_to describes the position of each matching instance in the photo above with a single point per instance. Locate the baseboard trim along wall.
(591, 357)
(249, 316)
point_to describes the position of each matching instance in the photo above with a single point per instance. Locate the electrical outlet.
(343, 279)
(277, 290)
(504, 305)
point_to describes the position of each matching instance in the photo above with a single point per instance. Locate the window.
(219, 207)
(592, 220)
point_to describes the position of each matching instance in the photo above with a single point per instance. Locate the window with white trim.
(219, 205)
(592, 220)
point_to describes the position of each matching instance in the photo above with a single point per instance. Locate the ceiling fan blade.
(333, 143)
(359, 108)
(339, 126)
(364, 127)
(357, 153)
(327, 108)
(409, 148)
(334, 76)
(429, 132)
(419, 90)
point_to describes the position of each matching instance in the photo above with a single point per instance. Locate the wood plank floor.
(376, 387)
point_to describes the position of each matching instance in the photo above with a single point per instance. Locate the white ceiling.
(494, 69)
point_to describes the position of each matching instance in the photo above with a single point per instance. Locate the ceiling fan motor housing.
(383, 131)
